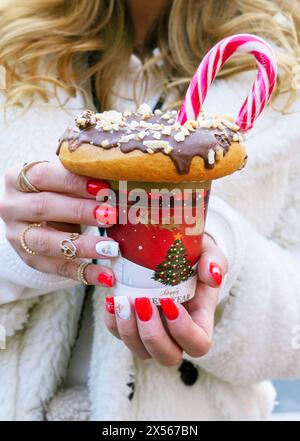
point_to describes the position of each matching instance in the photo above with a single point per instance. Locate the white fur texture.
(252, 340)
(70, 405)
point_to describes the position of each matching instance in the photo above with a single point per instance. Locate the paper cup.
(159, 237)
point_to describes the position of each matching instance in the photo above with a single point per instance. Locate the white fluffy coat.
(253, 335)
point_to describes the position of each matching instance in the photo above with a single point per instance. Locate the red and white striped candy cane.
(213, 62)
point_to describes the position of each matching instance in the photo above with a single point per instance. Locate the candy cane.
(213, 62)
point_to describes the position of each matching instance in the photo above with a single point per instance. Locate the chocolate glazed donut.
(153, 147)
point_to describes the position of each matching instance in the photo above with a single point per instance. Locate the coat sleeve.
(258, 334)
(20, 285)
(18, 281)
(257, 329)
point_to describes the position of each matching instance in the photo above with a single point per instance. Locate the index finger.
(191, 325)
(52, 176)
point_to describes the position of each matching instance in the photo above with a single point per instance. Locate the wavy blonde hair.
(40, 37)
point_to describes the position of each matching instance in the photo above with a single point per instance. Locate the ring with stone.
(68, 247)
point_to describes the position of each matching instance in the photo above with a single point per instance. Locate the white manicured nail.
(122, 307)
(107, 248)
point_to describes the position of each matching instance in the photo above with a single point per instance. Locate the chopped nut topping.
(238, 137)
(231, 126)
(217, 122)
(163, 145)
(153, 144)
(81, 122)
(86, 119)
(193, 123)
(157, 126)
(134, 126)
(179, 137)
(112, 117)
(105, 143)
(176, 126)
(144, 110)
(144, 124)
(127, 138)
(156, 135)
(168, 149)
(206, 123)
(185, 131)
(189, 126)
(167, 130)
(141, 135)
(211, 157)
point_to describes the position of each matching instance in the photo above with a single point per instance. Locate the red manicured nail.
(169, 308)
(106, 279)
(216, 273)
(95, 185)
(106, 214)
(110, 304)
(143, 308)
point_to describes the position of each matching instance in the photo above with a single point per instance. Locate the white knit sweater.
(254, 220)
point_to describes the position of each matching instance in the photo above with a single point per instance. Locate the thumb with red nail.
(164, 333)
(212, 265)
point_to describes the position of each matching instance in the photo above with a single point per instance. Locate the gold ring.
(68, 248)
(80, 272)
(23, 182)
(23, 240)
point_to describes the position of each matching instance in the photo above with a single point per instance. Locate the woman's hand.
(164, 334)
(64, 203)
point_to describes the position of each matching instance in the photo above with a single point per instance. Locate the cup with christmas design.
(159, 231)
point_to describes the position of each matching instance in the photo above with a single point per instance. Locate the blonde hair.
(45, 42)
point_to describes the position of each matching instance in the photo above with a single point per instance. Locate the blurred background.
(288, 398)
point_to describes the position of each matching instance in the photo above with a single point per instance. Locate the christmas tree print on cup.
(176, 267)
(158, 260)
